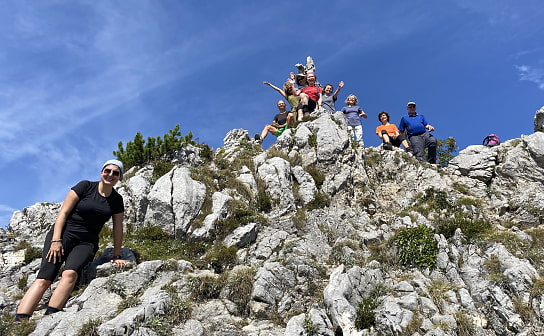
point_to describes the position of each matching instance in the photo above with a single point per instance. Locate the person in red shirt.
(310, 96)
(390, 134)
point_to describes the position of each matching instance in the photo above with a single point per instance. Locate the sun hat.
(410, 103)
(116, 163)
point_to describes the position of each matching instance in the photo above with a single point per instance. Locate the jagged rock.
(315, 323)
(476, 162)
(34, 222)
(242, 236)
(539, 120)
(271, 287)
(219, 211)
(276, 174)
(137, 188)
(303, 247)
(174, 201)
(307, 188)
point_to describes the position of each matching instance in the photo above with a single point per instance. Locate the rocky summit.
(314, 236)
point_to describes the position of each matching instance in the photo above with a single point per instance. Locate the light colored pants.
(358, 132)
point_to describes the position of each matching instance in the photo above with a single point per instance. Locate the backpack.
(491, 140)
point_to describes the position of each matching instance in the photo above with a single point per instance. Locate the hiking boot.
(257, 138)
(387, 146)
(408, 150)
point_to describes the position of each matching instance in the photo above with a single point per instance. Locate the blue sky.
(77, 77)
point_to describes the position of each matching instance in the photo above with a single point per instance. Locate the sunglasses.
(412, 106)
(113, 172)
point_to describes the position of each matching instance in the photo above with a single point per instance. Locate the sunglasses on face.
(108, 171)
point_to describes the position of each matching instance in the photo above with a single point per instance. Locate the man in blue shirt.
(417, 129)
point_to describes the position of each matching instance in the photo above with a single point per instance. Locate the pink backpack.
(491, 140)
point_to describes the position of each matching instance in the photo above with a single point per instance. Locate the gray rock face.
(476, 162)
(320, 258)
(175, 200)
(539, 120)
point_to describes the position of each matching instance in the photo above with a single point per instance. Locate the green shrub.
(23, 281)
(312, 140)
(161, 168)
(128, 302)
(263, 202)
(417, 246)
(493, 266)
(139, 151)
(366, 309)
(153, 243)
(445, 150)
(221, 257)
(239, 214)
(316, 174)
(372, 158)
(89, 328)
(320, 201)
(309, 326)
(205, 288)
(31, 252)
(472, 229)
(239, 287)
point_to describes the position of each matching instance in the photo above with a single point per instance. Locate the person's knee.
(69, 276)
(42, 283)
(384, 132)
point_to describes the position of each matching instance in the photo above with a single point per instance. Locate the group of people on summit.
(412, 132)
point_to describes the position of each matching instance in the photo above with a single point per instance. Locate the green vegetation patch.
(417, 246)
(153, 243)
(366, 309)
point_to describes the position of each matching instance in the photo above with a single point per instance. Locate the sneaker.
(408, 150)
(387, 146)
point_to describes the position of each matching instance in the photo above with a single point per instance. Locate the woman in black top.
(73, 239)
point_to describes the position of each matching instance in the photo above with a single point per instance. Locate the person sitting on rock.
(288, 93)
(390, 134)
(310, 96)
(328, 98)
(73, 239)
(278, 125)
(417, 128)
(353, 112)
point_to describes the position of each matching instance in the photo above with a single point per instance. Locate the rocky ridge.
(315, 248)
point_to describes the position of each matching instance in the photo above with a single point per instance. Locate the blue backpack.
(491, 140)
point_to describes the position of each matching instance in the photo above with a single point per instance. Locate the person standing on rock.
(328, 98)
(353, 112)
(73, 239)
(389, 133)
(417, 129)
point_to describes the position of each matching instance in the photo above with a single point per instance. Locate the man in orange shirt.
(390, 134)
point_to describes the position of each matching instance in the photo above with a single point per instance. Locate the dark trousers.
(420, 142)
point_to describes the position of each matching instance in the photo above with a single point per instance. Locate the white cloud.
(531, 74)
(5, 215)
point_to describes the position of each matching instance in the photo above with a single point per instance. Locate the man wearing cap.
(417, 129)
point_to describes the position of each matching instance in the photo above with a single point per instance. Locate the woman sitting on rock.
(73, 239)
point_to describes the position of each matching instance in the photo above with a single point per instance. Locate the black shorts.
(312, 104)
(77, 254)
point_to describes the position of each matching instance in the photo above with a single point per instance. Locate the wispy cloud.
(531, 74)
(5, 215)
